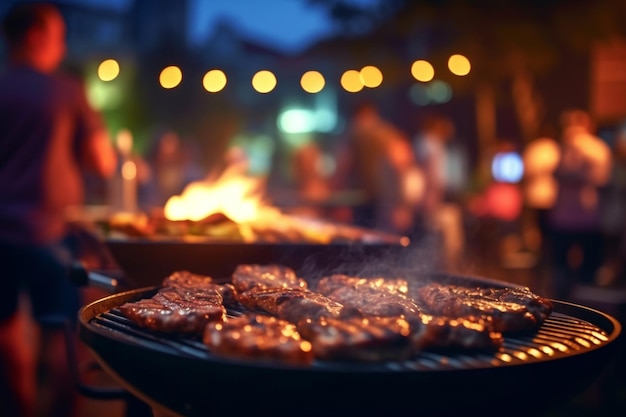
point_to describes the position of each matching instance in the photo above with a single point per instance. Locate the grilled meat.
(247, 277)
(367, 339)
(468, 333)
(291, 304)
(177, 310)
(510, 309)
(328, 284)
(379, 298)
(371, 297)
(186, 279)
(257, 337)
(345, 318)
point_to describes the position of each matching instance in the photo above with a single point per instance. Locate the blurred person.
(312, 187)
(439, 212)
(169, 169)
(574, 221)
(613, 270)
(541, 157)
(48, 136)
(385, 169)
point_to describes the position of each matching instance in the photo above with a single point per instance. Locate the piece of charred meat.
(249, 276)
(177, 310)
(328, 284)
(377, 297)
(291, 304)
(510, 309)
(258, 337)
(363, 339)
(444, 333)
(371, 297)
(186, 279)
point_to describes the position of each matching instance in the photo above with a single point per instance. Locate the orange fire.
(234, 194)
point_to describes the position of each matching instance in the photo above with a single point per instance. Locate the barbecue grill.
(146, 261)
(531, 372)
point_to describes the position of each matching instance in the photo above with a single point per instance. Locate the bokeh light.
(351, 81)
(507, 167)
(371, 76)
(214, 81)
(264, 81)
(170, 77)
(422, 70)
(459, 65)
(418, 93)
(439, 91)
(312, 82)
(108, 70)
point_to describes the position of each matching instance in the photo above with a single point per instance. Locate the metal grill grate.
(560, 335)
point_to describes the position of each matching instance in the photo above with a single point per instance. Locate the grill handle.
(80, 276)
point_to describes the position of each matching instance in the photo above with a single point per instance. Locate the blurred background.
(185, 85)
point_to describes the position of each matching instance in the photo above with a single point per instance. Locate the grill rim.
(91, 332)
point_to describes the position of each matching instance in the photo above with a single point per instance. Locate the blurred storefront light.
(419, 95)
(170, 77)
(264, 81)
(103, 96)
(435, 92)
(507, 167)
(439, 91)
(296, 121)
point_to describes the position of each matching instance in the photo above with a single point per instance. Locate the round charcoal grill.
(531, 373)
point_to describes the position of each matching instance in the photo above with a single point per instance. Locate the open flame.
(241, 198)
(232, 193)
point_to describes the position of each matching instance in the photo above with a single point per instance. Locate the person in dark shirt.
(49, 136)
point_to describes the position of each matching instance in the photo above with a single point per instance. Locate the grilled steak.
(358, 338)
(371, 297)
(247, 277)
(510, 309)
(379, 298)
(328, 284)
(258, 337)
(176, 310)
(469, 333)
(186, 279)
(291, 304)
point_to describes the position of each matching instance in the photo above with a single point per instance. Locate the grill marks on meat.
(371, 297)
(509, 309)
(367, 339)
(344, 318)
(441, 333)
(248, 277)
(186, 279)
(379, 298)
(259, 337)
(186, 304)
(176, 310)
(291, 304)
